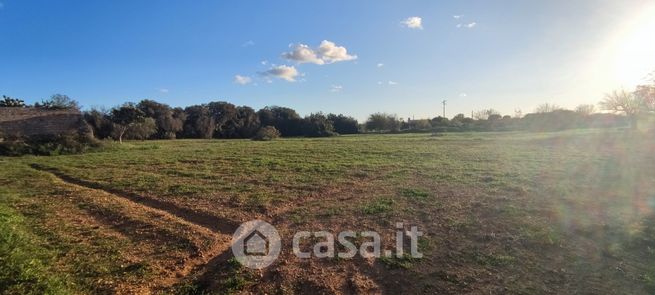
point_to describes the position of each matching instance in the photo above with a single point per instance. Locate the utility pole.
(444, 108)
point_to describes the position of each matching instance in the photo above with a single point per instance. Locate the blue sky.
(505, 55)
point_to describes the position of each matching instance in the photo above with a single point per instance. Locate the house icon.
(256, 244)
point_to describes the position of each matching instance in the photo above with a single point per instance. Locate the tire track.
(213, 223)
(197, 269)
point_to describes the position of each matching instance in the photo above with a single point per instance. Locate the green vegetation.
(403, 262)
(266, 133)
(381, 205)
(24, 265)
(50, 145)
(414, 193)
(502, 211)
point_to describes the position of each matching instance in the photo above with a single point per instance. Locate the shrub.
(8, 102)
(383, 122)
(317, 125)
(343, 124)
(267, 133)
(58, 102)
(47, 145)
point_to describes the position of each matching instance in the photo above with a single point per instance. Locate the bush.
(58, 102)
(383, 122)
(8, 102)
(47, 145)
(343, 124)
(317, 125)
(267, 133)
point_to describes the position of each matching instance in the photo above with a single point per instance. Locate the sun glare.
(635, 50)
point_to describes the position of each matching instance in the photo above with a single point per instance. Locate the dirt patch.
(173, 247)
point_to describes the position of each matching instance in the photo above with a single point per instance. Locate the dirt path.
(210, 258)
(202, 219)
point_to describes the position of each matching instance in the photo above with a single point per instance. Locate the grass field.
(568, 212)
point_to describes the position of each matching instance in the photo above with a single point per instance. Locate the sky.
(350, 57)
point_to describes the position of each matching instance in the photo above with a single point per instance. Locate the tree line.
(149, 119)
(622, 108)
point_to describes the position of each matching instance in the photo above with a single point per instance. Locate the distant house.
(17, 122)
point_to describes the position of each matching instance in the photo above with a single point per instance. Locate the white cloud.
(288, 73)
(462, 94)
(336, 88)
(248, 43)
(163, 90)
(468, 26)
(392, 83)
(379, 82)
(326, 53)
(243, 80)
(457, 16)
(303, 54)
(264, 62)
(413, 22)
(380, 65)
(331, 53)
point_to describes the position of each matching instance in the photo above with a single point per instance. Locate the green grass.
(414, 193)
(542, 195)
(24, 265)
(382, 205)
(404, 262)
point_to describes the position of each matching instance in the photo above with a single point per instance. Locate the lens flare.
(635, 50)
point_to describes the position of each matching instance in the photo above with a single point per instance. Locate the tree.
(344, 124)
(8, 102)
(199, 122)
(459, 117)
(124, 117)
(585, 109)
(623, 102)
(459, 120)
(494, 117)
(223, 113)
(266, 116)
(382, 122)
(484, 114)
(440, 122)
(141, 130)
(179, 114)
(58, 102)
(552, 121)
(244, 123)
(646, 96)
(420, 124)
(286, 120)
(167, 124)
(547, 108)
(248, 121)
(317, 125)
(100, 122)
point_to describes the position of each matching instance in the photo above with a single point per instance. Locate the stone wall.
(32, 121)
